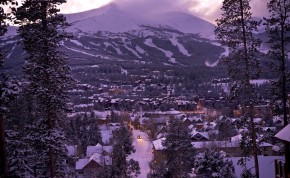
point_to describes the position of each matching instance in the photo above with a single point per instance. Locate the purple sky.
(206, 9)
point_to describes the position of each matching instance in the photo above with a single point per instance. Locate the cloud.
(206, 9)
(259, 8)
(72, 6)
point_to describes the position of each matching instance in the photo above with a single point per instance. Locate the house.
(186, 122)
(199, 136)
(231, 148)
(100, 149)
(96, 158)
(88, 167)
(280, 167)
(284, 134)
(158, 150)
(113, 126)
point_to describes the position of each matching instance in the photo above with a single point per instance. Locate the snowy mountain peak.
(113, 19)
(110, 8)
(107, 18)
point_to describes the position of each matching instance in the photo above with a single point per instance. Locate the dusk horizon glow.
(206, 9)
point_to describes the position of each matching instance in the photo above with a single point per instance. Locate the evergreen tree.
(6, 91)
(42, 31)
(89, 132)
(20, 153)
(235, 31)
(179, 150)
(277, 27)
(122, 147)
(211, 163)
(157, 170)
(226, 130)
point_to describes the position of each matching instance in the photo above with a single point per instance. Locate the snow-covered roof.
(158, 144)
(81, 163)
(94, 149)
(236, 138)
(91, 150)
(72, 150)
(195, 118)
(203, 134)
(269, 128)
(220, 144)
(284, 134)
(106, 136)
(258, 120)
(173, 112)
(184, 119)
(264, 144)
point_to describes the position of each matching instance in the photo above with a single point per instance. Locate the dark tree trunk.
(3, 154)
(284, 92)
(249, 102)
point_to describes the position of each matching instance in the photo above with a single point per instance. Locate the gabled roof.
(158, 144)
(284, 134)
(97, 158)
(194, 133)
(98, 149)
(81, 163)
(71, 149)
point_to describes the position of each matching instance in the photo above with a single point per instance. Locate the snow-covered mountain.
(108, 18)
(108, 34)
(111, 18)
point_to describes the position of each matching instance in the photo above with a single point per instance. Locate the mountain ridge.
(112, 18)
(109, 35)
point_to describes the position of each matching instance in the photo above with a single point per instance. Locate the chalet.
(284, 134)
(196, 119)
(88, 167)
(210, 126)
(281, 171)
(221, 118)
(114, 126)
(100, 149)
(231, 147)
(158, 151)
(186, 122)
(199, 136)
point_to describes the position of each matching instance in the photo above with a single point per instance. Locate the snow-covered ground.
(143, 152)
(266, 166)
(180, 47)
(259, 81)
